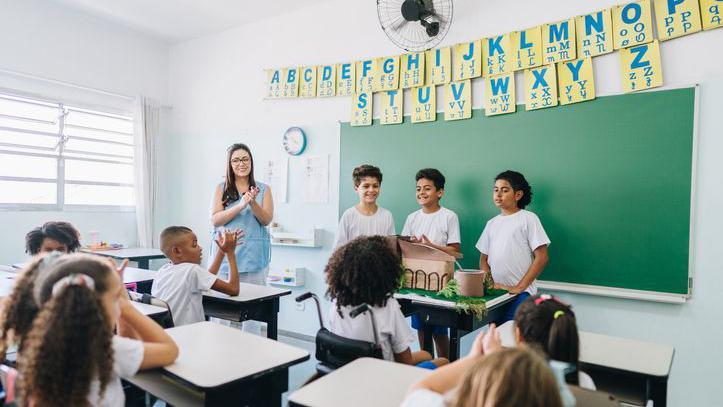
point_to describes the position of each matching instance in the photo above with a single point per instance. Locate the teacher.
(241, 202)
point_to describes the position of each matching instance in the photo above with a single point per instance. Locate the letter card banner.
(710, 13)
(439, 66)
(500, 94)
(346, 79)
(576, 82)
(558, 41)
(640, 67)
(676, 18)
(412, 70)
(308, 82)
(594, 34)
(273, 83)
(424, 104)
(290, 84)
(528, 47)
(366, 72)
(499, 55)
(326, 81)
(467, 60)
(388, 73)
(392, 105)
(540, 87)
(632, 24)
(361, 109)
(458, 100)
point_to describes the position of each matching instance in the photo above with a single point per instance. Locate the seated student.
(434, 226)
(52, 236)
(550, 324)
(513, 245)
(366, 270)
(19, 309)
(365, 218)
(490, 377)
(70, 354)
(181, 282)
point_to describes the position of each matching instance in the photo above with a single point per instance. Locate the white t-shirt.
(354, 224)
(508, 241)
(181, 286)
(441, 227)
(127, 359)
(423, 398)
(395, 335)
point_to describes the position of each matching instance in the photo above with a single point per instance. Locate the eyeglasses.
(237, 161)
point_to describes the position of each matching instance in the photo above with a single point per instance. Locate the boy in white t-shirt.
(365, 218)
(434, 226)
(513, 245)
(181, 282)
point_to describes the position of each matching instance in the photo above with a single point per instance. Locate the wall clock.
(294, 141)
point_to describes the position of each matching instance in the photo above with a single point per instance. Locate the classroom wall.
(217, 86)
(46, 39)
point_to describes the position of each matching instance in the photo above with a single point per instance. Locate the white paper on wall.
(276, 175)
(316, 179)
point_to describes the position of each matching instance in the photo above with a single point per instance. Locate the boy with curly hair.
(366, 270)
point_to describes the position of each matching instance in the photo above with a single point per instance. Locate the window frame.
(60, 157)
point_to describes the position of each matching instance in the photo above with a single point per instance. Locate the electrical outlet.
(300, 306)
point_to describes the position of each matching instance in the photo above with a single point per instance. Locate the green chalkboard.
(611, 181)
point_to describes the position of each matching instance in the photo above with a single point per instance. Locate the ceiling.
(179, 20)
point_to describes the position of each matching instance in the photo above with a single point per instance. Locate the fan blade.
(397, 25)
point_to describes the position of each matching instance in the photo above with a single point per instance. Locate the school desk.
(142, 278)
(363, 382)
(167, 389)
(634, 371)
(256, 302)
(628, 362)
(154, 312)
(231, 367)
(141, 255)
(445, 313)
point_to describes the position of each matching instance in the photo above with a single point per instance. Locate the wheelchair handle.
(306, 296)
(362, 309)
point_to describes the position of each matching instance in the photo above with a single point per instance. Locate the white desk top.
(647, 358)
(148, 309)
(449, 304)
(609, 351)
(166, 389)
(128, 253)
(249, 292)
(212, 355)
(361, 383)
(134, 275)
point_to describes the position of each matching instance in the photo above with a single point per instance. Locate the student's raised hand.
(492, 341)
(239, 236)
(486, 343)
(226, 240)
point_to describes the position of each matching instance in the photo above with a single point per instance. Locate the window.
(55, 156)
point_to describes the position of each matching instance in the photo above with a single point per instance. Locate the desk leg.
(658, 391)
(143, 264)
(428, 344)
(453, 344)
(272, 322)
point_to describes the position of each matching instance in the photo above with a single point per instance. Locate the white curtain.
(146, 134)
